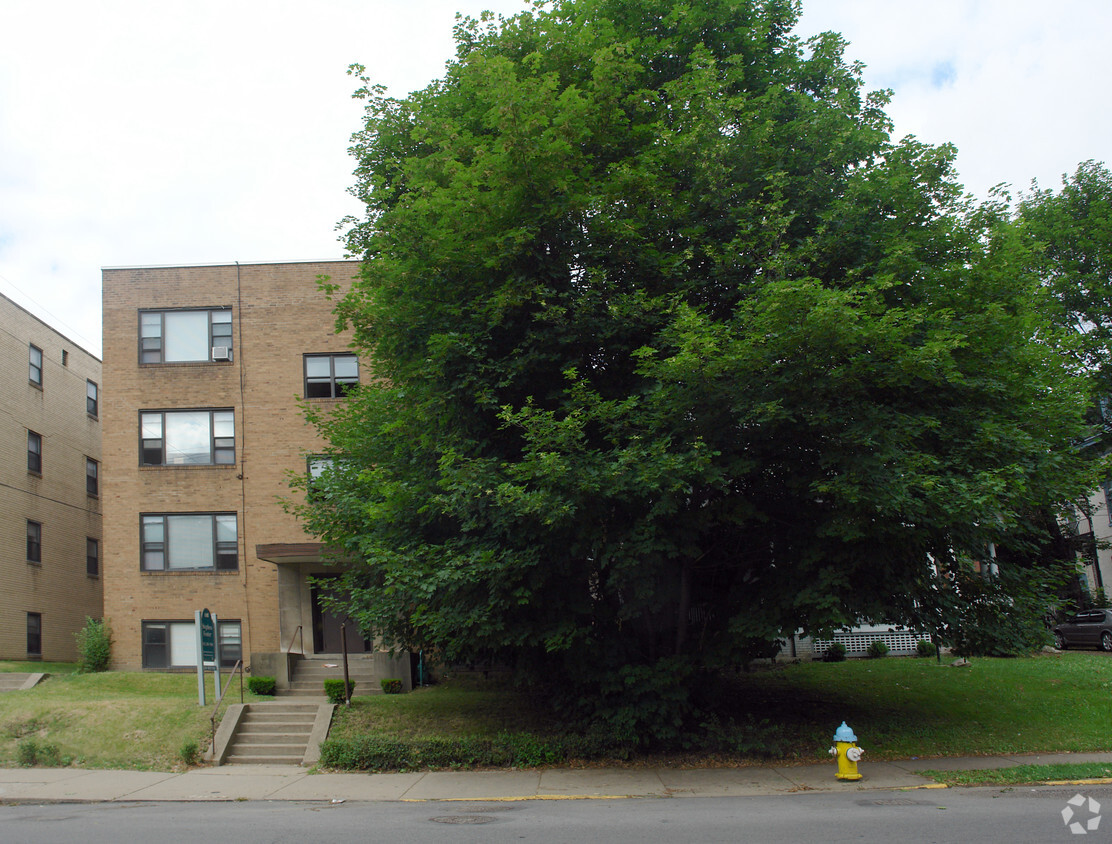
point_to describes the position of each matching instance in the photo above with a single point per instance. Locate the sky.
(193, 132)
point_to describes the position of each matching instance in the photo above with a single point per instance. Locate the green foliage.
(31, 752)
(835, 653)
(189, 753)
(392, 686)
(1073, 232)
(264, 685)
(94, 644)
(876, 649)
(677, 350)
(334, 690)
(1022, 774)
(507, 749)
(925, 648)
(1003, 616)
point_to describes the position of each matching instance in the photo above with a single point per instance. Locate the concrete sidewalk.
(288, 782)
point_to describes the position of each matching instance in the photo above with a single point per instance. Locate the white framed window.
(173, 644)
(187, 437)
(92, 479)
(34, 360)
(185, 336)
(34, 452)
(189, 542)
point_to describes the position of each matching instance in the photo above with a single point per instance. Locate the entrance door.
(326, 624)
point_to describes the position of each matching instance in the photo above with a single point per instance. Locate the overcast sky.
(142, 133)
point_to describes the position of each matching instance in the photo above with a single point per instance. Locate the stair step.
(266, 743)
(274, 738)
(238, 759)
(264, 749)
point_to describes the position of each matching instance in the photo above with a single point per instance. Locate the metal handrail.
(238, 669)
(301, 641)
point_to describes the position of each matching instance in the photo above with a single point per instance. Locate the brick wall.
(58, 588)
(278, 314)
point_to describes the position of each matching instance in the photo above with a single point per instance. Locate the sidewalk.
(288, 782)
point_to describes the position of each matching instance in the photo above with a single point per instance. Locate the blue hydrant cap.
(844, 733)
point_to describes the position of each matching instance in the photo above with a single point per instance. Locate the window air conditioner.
(221, 353)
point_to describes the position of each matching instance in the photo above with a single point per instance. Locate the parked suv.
(1089, 629)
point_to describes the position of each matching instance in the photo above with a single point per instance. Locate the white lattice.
(899, 642)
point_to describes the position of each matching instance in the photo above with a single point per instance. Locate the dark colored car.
(1089, 629)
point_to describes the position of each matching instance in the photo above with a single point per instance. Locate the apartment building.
(50, 487)
(206, 367)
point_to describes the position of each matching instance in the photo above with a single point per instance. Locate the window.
(34, 542)
(92, 398)
(330, 376)
(35, 371)
(319, 464)
(187, 438)
(189, 542)
(34, 634)
(173, 644)
(92, 486)
(65, 358)
(34, 452)
(92, 557)
(185, 336)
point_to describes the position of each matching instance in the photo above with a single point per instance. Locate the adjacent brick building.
(50, 431)
(205, 367)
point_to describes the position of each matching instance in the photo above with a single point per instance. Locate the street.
(986, 815)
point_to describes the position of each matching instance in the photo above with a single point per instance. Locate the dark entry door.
(326, 624)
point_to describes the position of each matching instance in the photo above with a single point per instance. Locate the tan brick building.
(50, 432)
(205, 368)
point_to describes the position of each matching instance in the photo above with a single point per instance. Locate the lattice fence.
(899, 642)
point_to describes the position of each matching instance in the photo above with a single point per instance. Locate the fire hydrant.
(846, 751)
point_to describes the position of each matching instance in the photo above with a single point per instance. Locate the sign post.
(205, 623)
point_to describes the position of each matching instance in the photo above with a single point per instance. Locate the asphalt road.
(983, 815)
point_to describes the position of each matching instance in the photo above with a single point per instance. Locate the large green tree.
(678, 350)
(1072, 231)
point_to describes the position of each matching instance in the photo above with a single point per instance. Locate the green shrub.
(30, 753)
(925, 648)
(94, 644)
(522, 750)
(392, 686)
(262, 685)
(876, 649)
(189, 752)
(835, 653)
(334, 688)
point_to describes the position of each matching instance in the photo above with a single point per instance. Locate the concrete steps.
(276, 733)
(15, 682)
(309, 676)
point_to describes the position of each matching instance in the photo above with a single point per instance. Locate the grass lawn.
(899, 708)
(12, 667)
(1026, 774)
(111, 720)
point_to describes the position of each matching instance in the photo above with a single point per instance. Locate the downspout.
(245, 635)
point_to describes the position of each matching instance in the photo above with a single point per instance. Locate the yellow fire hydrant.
(846, 751)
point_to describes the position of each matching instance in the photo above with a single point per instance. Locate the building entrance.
(326, 623)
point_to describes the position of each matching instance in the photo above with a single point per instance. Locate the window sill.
(185, 572)
(147, 467)
(186, 363)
